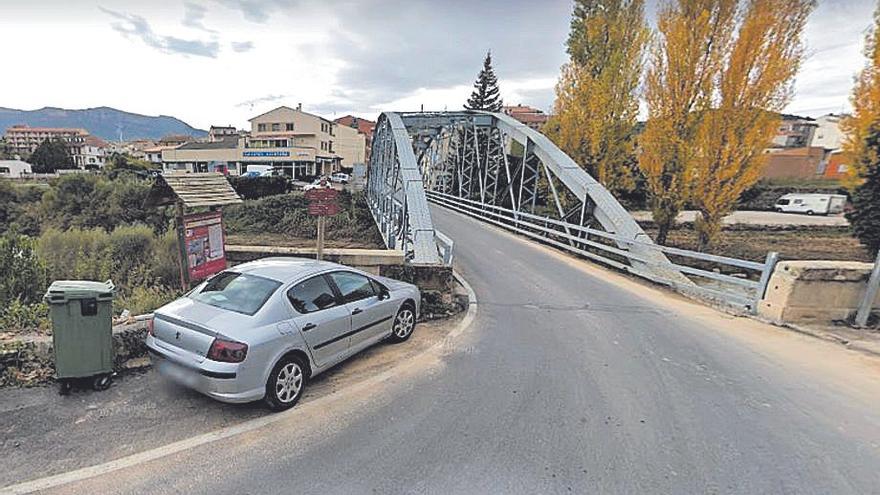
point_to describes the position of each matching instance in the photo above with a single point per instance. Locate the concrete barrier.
(369, 260)
(815, 291)
(385, 262)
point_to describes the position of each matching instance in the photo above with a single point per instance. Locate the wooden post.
(181, 249)
(870, 295)
(320, 254)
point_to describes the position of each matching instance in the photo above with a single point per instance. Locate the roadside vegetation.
(717, 74)
(93, 226)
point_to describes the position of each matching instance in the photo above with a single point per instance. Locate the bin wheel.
(64, 387)
(101, 382)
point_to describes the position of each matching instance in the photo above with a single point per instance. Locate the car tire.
(810, 212)
(286, 383)
(404, 323)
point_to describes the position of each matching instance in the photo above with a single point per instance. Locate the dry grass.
(803, 243)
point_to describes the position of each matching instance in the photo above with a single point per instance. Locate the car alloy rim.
(289, 382)
(403, 325)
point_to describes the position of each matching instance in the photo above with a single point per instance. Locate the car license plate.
(178, 373)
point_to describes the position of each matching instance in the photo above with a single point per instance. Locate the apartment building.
(23, 140)
(794, 132)
(86, 150)
(296, 143)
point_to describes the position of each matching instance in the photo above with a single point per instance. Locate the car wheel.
(810, 212)
(404, 323)
(286, 383)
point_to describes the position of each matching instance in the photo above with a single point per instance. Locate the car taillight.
(227, 351)
(150, 327)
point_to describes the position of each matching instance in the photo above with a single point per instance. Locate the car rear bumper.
(220, 381)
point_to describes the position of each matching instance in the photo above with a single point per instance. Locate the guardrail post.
(870, 295)
(769, 265)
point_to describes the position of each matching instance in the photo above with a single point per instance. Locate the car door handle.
(309, 326)
(357, 311)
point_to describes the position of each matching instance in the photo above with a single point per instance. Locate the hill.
(104, 122)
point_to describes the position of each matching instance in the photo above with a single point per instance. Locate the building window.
(289, 126)
(261, 127)
(276, 127)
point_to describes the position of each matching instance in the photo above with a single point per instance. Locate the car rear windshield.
(237, 292)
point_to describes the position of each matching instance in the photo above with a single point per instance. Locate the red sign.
(204, 240)
(322, 202)
(321, 194)
(320, 208)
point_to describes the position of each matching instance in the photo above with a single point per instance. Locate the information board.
(204, 240)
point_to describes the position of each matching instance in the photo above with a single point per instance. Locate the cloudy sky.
(224, 61)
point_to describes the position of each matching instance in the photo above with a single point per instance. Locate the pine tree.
(865, 217)
(486, 95)
(50, 156)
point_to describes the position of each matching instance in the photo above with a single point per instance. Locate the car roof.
(286, 269)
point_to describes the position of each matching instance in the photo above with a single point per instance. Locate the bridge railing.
(733, 281)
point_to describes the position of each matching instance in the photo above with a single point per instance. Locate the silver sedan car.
(262, 329)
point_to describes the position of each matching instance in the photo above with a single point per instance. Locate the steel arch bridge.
(492, 167)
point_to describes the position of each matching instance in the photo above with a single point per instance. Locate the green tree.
(486, 95)
(865, 216)
(51, 155)
(5, 149)
(597, 105)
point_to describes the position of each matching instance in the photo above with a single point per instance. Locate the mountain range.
(104, 122)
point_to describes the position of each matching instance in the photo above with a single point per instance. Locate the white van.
(811, 204)
(262, 170)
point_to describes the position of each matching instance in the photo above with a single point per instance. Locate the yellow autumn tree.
(596, 105)
(866, 110)
(686, 58)
(754, 85)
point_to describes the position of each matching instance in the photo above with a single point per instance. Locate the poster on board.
(204, 241)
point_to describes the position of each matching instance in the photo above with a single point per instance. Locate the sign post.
(322, 203)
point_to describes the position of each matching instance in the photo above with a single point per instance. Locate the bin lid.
(62, 291)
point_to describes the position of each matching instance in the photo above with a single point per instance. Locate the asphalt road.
(571, 379)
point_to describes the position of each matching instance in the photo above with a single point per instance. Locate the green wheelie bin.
(82, 332)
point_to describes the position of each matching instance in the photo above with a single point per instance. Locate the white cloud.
(342, 57)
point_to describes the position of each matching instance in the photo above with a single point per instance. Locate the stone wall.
(815, 291)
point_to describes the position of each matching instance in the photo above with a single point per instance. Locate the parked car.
(340, 177)
(252, 174)
(318, 184)
(811, 204)
(261, 330)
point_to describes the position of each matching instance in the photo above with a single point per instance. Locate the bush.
(77, 254)
(287, 214)
(24, 274)
(865, 217)
(20, 317)
(141, 300)
(259, 187)
(88, 201)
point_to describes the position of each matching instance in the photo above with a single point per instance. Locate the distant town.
(296, 143)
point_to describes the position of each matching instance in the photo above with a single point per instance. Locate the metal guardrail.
(744, 291)
(870, 296)
(445, 245)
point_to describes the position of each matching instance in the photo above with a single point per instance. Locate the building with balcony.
(23, 140)
(295, 143)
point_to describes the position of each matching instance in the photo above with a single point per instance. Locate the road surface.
(571, 379)
(769, 218)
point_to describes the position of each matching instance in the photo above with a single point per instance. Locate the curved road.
(571, 379)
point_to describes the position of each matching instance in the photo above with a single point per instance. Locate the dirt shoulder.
(42, 433)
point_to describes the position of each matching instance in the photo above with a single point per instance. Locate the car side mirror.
(384, 293)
